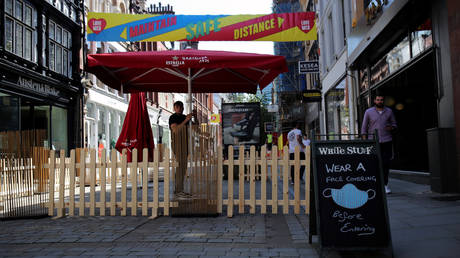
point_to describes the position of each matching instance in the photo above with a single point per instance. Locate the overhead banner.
(146, 27)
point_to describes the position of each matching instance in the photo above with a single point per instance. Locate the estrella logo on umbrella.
(129, 142)
(175, 62)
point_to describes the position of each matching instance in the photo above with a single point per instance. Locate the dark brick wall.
(453, 7)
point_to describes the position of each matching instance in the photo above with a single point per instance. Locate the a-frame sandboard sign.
(351, 206)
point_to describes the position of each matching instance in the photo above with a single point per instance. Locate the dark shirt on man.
(176, 119)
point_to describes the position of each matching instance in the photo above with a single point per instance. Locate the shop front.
(40, 88)
(35, 113)
(401, 64)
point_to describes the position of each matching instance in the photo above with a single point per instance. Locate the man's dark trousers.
(386, 149)
(302, 168)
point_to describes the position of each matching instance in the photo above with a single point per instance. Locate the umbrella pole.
(190, 103)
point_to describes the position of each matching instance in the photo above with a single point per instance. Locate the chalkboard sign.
(350, 202)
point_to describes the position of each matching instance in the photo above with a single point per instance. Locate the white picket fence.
(110, 180)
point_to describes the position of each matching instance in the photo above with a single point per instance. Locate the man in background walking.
(381, 118)
(295, 139)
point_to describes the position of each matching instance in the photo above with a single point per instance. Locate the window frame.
(26, 25)
(60, 44)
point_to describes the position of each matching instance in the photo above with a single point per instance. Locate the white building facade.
(337, 114)
(106, 108)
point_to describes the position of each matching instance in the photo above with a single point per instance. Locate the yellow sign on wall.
(215, 119)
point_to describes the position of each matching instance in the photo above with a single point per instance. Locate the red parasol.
(177, 70)
(136, 131)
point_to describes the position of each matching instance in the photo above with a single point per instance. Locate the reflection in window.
(18, 39)
(59, 128)
(59, 52)
(41, 123)
(28, 45)
(9, 6)
(9, 112)
(44, 39)
(28, 16)
(58, 34)
(58, 60)
(399, 55)
(379, 71)
(421, 38)
(51, 30)
(52, 55)
(338, 118)
(9, 35)
(18, 13)
(363, 81)
(20, 24)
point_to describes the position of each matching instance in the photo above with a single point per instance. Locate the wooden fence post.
(51, 185)
(156, 164)
(124, 182)
(134, 183)
(263, 180)
(113, 182)
(230, 182)
(145, 161)
(286, 170)
(61, 208)
(274, 171)
(72, 183)
(166, 182)
(92, 178)
(103, 179)
(220, 166)
(241, 179)
(297, 180)
(252, 179)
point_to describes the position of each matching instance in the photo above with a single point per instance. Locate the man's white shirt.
(292, 138)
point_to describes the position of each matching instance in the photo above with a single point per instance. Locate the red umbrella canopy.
(136, 131)
(168, 71)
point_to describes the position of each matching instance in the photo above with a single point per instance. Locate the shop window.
(9, 112)
(60, 53)
(41, 122)
(399, 55)
(101, 128)
(20, 23)
(59, 128)
(44, 57)
(379, 71)
(363, 79)
(422, 38)
(337, 111)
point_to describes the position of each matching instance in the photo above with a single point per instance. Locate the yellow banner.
(146, 27)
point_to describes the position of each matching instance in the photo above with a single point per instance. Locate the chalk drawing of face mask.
(349, 196)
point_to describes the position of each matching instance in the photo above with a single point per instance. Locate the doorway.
(412, 95)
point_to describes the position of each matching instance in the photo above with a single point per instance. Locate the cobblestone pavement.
(241, 236)
(423, 224)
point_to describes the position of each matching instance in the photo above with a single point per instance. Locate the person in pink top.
(382, 119)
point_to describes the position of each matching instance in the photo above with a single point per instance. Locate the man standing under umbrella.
(177, 122)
